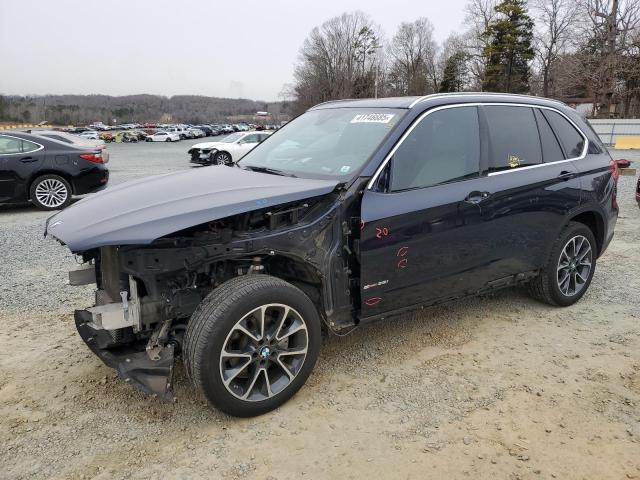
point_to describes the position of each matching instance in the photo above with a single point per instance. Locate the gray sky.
(237, 48)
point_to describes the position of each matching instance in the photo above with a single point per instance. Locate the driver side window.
(444, 147)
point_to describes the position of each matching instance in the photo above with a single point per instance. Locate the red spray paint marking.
(382, 232)
(402, 252)
(361, 225)
(372, 301)
(403, 263)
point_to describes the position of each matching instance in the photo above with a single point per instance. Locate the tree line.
(580, 51)
(85, 109)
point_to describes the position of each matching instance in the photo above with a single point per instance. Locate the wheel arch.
(50, 171)
(595, 222)
(300, 274)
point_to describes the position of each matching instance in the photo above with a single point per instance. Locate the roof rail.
(335, 101)
(466, 94)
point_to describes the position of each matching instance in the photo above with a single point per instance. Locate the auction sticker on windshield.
(373, 118)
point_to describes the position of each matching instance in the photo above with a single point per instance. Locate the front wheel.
(571, 265)
(168, 140)
(252, 343)
(222, 158)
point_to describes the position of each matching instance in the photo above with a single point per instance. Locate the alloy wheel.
(264, 352)
(51, 193)
(223, 159)
(574, 265)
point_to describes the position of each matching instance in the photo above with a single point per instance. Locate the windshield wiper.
(272, 171)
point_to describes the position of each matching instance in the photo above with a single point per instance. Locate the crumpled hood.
(141, 211)
(209, 145)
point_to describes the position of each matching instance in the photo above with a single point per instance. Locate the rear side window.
(9, 145)
(29, 146)
(551, 151)
(572, 141)
(444, 147)
(513, 137)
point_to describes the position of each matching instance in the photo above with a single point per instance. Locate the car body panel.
(141, 211)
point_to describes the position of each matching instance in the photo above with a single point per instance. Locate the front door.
(246, 144)
(18, 160)
(420, 219)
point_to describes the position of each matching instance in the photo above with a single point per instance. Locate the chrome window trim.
(479, 104)
(40, 147)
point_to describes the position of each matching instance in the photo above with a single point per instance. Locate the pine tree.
(455, 71)
(509, 51)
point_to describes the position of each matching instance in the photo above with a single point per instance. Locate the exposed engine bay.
(146, 293)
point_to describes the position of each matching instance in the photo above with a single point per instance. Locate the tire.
(168, 140)
(222, 158)
(50, 192)
(148, 139)
(548, 286)
(214, 325)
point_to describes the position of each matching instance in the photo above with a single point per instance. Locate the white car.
(182, 132)
(163, 137)
(228, 150)
(90, 135)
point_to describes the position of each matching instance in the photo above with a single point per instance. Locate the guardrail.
(31, 125)
(620, 134)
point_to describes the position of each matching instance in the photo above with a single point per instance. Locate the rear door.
(530, 188)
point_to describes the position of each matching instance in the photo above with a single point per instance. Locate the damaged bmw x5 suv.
(355, 211)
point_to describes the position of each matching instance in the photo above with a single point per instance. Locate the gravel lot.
(490, 387)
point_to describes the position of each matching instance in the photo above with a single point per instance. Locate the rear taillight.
(95, 157)
(615, 174)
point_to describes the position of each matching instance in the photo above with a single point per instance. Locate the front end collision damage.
(147, 293)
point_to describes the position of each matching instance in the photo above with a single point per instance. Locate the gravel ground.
(490, 387)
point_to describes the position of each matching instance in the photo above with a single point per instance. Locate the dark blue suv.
(358, 210)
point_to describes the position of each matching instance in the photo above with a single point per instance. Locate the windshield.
(232, 138)
(325, 143)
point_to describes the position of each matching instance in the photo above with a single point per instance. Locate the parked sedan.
(48, 172)
(163, 137)
(226, 151)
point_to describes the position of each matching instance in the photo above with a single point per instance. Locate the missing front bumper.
(153, 377)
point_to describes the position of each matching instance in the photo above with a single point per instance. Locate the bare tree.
(413, 57)
(609, 33)
(479, 15)
(556, 21)
(337, 60)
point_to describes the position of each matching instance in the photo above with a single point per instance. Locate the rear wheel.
(168, 139)
(568, 272)
(50, 192)
(252, 343)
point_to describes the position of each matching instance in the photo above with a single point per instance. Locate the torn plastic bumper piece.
(153, 377)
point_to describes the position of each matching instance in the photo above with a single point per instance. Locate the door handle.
(28, 159)
(477, 197)
(565, 175)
